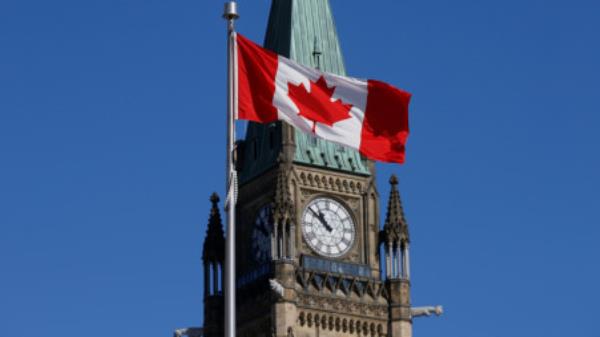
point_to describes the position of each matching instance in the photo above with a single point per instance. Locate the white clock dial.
(327, 227)
(261, 235)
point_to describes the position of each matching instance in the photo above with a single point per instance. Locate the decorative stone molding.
(342, 306)
(327, 182)
(363, 288)
(283, 205)
(339, 323)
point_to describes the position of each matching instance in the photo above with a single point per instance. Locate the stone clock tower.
(313, 259)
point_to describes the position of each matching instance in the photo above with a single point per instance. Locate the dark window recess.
(255, 149)
(310, 157)
(360, 286)
(332, 281)
(346, 285)
(239, 152)
(324, 159)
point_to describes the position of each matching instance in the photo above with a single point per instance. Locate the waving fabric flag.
(367, 115)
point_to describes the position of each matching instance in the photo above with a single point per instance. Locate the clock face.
(261, 235)
(328, 227)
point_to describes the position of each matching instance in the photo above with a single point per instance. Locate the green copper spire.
(299, 29)
(304, 31)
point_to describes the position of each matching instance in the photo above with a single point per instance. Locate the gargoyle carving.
(276, 287)
(190, 332)
(426, 311)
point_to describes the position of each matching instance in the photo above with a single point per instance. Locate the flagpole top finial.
(230, 12)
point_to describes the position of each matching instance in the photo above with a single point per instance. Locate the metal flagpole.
(230, 14)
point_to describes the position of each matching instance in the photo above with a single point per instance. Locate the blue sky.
(111, 141)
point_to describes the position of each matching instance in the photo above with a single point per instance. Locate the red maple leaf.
(317, 105)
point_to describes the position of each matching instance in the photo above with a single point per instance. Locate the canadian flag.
(367, 115)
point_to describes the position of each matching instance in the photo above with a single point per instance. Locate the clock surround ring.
(328, 226)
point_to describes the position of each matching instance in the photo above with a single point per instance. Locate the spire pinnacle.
(297, 28)
(214, 199)
(214, 243)
(395, 228)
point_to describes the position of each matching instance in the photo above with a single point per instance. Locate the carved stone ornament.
(283, 205)
(327, 182)
(340, 323)
(342, 306)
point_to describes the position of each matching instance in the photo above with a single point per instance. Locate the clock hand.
(322, 220)
(322, 217)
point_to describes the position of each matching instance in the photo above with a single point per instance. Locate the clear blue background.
(112, 137)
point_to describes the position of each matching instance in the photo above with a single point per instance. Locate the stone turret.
(214, 243)
(395, 229)
(395, 239)
(213, 259)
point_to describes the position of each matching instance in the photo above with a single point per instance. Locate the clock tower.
(312, 257)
